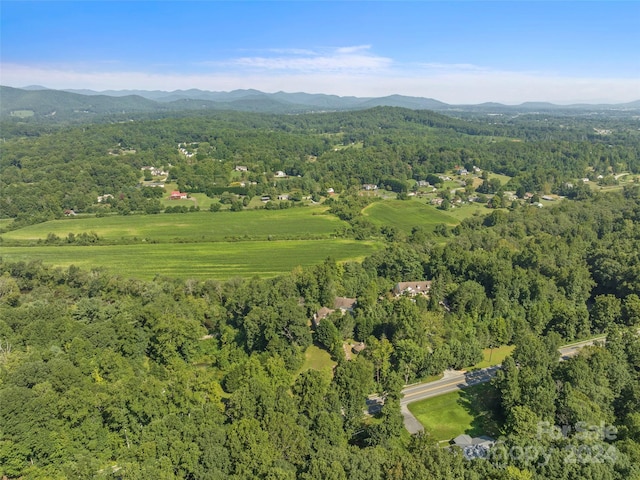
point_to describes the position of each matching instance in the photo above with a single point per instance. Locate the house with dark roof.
(412, 288)
(343, 304)
(474, 447)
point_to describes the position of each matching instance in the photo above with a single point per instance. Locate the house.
(462, 171)
(265, 198)
(476, 447)
(280, 174)
(321, 314)
(369, 187)
(177, 195)
(158, 172)
(69, 213)
(412, 288)
(104, 198)
(437, 201)
(548, 198)
(343, 304)
(330, 191)
(241, 168)
(284, 196)
(423, 183)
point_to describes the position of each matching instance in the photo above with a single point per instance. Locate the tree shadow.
(482, 402)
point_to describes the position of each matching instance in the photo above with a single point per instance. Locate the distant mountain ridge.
(78, 105)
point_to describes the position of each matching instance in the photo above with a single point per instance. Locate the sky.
(458, 52)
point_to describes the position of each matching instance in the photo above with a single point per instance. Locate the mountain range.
(43, 103)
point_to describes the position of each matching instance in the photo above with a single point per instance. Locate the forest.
(105, 376)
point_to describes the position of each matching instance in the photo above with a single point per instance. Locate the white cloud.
(354, 49)
(351, 59)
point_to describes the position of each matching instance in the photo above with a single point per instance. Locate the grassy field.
(406, 214)
(495, 356)
(197, 226)
(318, 359)
(465, 411)
(459, 213)
(504, 179)
(5, 222)
(218, 260)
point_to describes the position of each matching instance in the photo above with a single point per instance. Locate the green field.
(315, 358)
(406, 214)
(5, 222)
(494, 356)
(218, 260)
(292, 223)
(468, 210)
(465, 411)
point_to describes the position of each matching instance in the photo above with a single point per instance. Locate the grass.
(197, 226)
(406, 214)
(495, 356)
(5, 222)
(22, 113)
(217, 260)
(504, 179)
(468, 210)
(465, 411)
(316, 358)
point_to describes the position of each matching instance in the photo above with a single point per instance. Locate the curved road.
(455, 380)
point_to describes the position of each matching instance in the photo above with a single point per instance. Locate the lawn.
(406, 214)
(461, 212)
(316, 358)
(465, 411)
(306, 222)
(218, 260)
(494, 356)
(504, 179)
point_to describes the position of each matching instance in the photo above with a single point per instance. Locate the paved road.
(457, 379)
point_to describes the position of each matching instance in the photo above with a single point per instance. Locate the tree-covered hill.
(41, 105)
(45, 171)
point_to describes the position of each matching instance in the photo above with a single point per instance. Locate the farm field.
(216, 260)
(407, 214)
(307, 222)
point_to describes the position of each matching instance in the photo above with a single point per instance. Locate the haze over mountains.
(40, 102)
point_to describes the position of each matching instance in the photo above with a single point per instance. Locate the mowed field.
(215, 260)
(464, 411)
(222, 245)
(407, 214)
(292, 223)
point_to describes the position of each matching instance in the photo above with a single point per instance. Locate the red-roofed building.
(177, 195)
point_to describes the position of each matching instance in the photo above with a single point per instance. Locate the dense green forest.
(103, 376)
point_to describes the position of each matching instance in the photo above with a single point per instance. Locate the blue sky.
(456, 51)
